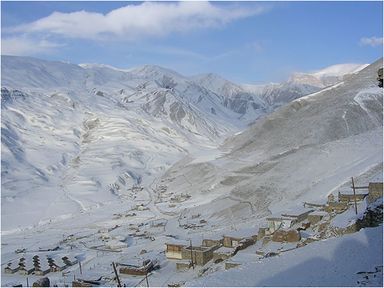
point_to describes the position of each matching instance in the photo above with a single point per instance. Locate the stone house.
(286, 236)
(350, 197)
(200, 255)
(11, 269)
(42, 268)
(279, 222)
(25, 269)
(56, 265)
(375, 191)
(298, 214)
(239, 238)
(212, 241)
(174, 248)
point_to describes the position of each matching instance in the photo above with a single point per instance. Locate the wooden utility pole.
(193, 265)
(354, 194)
(117, 275)
(146, 279)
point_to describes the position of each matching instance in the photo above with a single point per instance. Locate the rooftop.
(297, 211)
(225, 250)
(177, 242)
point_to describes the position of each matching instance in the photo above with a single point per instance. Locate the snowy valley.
(105, 165)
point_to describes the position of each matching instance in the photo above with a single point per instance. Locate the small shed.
(10, 269)
(173, 249)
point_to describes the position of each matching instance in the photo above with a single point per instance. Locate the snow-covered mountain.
(233, 96)
(77, 136)
(301, 84)
(98, 160)
(300, 152)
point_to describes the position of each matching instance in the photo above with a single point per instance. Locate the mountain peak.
(154, 71)
(340, 69)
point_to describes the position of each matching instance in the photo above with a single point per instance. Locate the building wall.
(375, 192)
(351, 198)
(227, 242)
(199, 257)
(173, 255)
(222, 256)
(274, 225)
(173, 251)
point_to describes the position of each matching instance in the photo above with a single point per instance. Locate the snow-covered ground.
(93, 157)
(351, 260)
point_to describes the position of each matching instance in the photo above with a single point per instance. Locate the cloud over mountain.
(149, 19)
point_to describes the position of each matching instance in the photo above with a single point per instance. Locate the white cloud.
(371, 41)
(148, 19)
(23, 46)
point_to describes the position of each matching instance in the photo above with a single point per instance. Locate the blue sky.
(247, 42)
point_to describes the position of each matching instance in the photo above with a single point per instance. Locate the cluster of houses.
(217, 249)
(284, 227)
(279, 225)
(39, 267)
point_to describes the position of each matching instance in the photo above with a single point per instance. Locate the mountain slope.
(301, 84)
(75, 138)
(300, 152)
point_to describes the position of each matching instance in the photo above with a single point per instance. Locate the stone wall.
(200, 256)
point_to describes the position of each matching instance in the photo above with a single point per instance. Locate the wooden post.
(81, 271)
(27, 282)
(354, 194)
(146, 279)
(193, 265)
(117, 276)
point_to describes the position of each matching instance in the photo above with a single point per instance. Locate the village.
(344, 212)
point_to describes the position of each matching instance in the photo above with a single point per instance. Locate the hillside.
(106, 165)
(301, 152)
